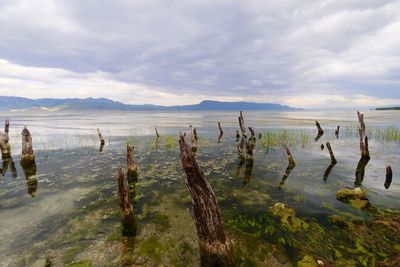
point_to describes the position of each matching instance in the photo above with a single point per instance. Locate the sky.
(303, 53)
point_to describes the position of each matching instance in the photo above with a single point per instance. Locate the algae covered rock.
(356, 197)
(288, 217)
(307, 261)
(340, 222)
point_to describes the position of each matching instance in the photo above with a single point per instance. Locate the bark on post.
(27, 162)
(363, 138)
(221, 132)
(320, 131)
(102, 142)
(291, 160)
(215, 248)
(28, 156)
(364, 159)
(4, 146)
(128, 219)
(4, 138)
(193, 137)
(242, 127)
(337, 131)
(132, 168)
(389, 175)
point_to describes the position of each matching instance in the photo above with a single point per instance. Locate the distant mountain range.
(20, 103)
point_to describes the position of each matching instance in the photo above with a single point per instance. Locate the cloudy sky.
(303, 53)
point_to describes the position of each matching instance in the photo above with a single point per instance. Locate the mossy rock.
(340, 222)
(356, 197)
(84, 263)
(288, 217)
(307, 261)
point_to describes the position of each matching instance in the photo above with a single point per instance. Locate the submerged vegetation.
(274, 213)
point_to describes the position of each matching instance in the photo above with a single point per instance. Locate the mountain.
(389, 108)
(20, 103)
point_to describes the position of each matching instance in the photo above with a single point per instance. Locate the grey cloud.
(224, 48)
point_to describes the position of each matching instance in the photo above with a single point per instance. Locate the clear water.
(72, 215)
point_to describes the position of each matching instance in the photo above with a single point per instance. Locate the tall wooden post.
(102, 142)
(221, 132)
(364, 152)
(215, 248)
(320, 131)
(337, 131)
(291, 160)
(129, 224)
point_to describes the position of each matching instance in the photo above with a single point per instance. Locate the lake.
(67, 212)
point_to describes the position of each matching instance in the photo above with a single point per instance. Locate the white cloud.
(296, 52)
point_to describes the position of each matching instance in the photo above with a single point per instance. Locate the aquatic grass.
(388, 134)
(295, 137)
(170, 142)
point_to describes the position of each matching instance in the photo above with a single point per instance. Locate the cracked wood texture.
(215, 248)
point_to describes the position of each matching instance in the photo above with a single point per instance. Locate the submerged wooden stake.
(7, 129)
(363, 138)
(320, 131)
(132, 168)
(128, 218)
(291, 160)
(333, 159)
(102, 142)
(215, 248)
(389, 175)
(337, 131)
(221, 132)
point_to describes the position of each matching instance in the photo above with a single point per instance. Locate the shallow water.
(72, 213)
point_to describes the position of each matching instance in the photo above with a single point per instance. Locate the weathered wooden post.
(193, 137)
(27, 162)
(129, 224)
(4, 145)
(365, 157)
(215, 248)
(237, 135)
(337, 131)
(241, 124)
(291, 160)
(28, 156)
(389, 175)
(363, 138)
(320, 131)
(221, 132)
(102, 142)
(333, 161)
(132, 168)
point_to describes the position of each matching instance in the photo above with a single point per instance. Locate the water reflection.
(248, 172)
(9, 162)
(328, 170)
(360, 170)
(288, 170)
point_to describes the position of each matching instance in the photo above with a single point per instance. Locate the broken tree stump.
(364, 159)
(363, 138)
(221, 132)
(241, 125)
(28, 156)
(389, 175)
(193, 132)
(337, 131)
(4, 145)
(320, 131)
(132, 168)
(215, 248)
(291, 160)
(129, 224)
(102, 142)
(237, 135)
